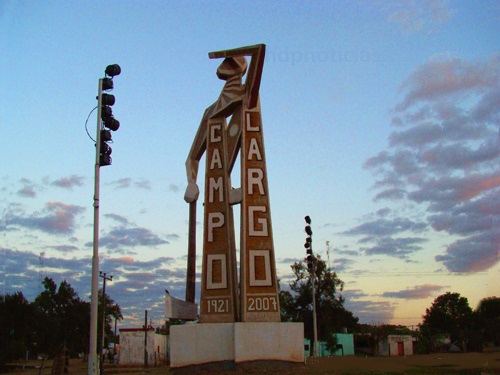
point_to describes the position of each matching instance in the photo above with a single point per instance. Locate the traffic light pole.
(93, 365)
(311, 266)
(103, 309)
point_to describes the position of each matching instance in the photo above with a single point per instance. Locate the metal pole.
(315, 323)
(103, 304)
(191, 261)
(146, 340)
(103, 320)
(93, 365)
(114, 343)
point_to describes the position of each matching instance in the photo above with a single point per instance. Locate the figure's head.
(232, 66)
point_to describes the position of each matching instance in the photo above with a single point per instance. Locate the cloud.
(289, 261)
(56, 218)
(64, 248)
(130, 264)
(444, 156)
(437, 80)
(24, 271)
(384, 227)
(395, 247)
(127, 236)
(130, 237)
(143, 184)
(119, 218)
(127, 182)
(472, 216)
(28, 190)
(341, 264)
(69, 182)
(136, 286)
(172, 236)
(385, 236)
(353, 253)
(417, 292)
(417, 16)
(173, 188)
(368, 311)
(122, 183)
(473, 254)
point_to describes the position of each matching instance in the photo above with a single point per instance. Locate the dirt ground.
(445, 363)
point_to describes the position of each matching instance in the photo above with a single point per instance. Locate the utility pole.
(146, 339)
(114, 341)
(312, 270)
(102, 150)
(103, 308)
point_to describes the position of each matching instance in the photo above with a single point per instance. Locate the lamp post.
(103, 308)
(105, 120)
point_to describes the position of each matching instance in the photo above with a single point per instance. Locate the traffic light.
(308, 245)
(106, 101)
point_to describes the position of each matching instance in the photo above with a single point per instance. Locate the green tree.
(62, 318)
(449, 314)
(488, 314)
(112, 312)
(297, 306)
(16, 326)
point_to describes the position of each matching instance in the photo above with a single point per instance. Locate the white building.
(397, 345)
(132, 347)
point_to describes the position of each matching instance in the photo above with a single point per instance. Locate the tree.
(449, 314)
(16, 326)
(62, 318)
(488, 314)
(296, 306)
(56, 317)
(112, 312)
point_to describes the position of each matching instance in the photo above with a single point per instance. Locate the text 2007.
(262, 304)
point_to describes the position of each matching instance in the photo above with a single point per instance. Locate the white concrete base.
(269, 341)
(194, 344)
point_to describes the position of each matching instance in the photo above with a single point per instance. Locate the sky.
(381, 122)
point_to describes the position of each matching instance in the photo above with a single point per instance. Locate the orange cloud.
(478, 187)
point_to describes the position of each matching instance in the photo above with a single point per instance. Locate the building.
(397, 345)
(345, 346)
(132, 347)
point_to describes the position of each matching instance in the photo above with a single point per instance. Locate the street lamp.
(105, 120)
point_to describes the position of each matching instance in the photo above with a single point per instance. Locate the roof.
(135, 329)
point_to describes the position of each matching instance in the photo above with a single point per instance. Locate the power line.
(404, 273)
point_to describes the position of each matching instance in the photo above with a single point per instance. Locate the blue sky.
(381, 122)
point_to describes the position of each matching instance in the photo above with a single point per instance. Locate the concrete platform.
(195, 344)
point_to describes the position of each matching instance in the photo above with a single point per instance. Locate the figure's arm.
(252, 81)
(193, 160)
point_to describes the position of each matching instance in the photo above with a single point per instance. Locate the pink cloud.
(418, 292)
(479, 186)
(439, 79)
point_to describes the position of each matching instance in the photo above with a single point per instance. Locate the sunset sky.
(381, 122)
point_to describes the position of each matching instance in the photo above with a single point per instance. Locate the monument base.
(195, 344)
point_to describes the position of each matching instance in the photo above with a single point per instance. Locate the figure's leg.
(218, 289)
(259, 285)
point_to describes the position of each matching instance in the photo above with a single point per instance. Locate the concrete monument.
(221, 301)
(240, 312)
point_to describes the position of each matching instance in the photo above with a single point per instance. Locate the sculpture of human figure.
(236, 98)
(233, 94)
